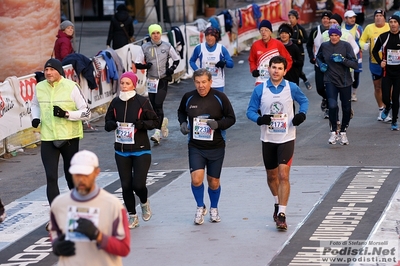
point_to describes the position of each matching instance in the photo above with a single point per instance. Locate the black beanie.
(338, 18)
(285, 28)
(397, 18)
(326, 14)
(294, 13)
(265, 23)
(56, 64)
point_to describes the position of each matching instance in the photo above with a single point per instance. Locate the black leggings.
(50, 158)
(319, 82)
(133, 182)
(391, 87)
(157, 100)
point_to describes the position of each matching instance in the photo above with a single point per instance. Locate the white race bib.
(152, 85)
(264, 74)
(74, 213)
(202, 131)
(212, 68)
(125, 133)
(279, 124)
(393, 57)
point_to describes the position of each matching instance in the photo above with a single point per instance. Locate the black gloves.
(220, 64)
(213, 124)
(57, 111)
(264, 120)
(143, 66)
(170, 71)
(184, 128)
(87, 228)
(110, 125)
(256, 73)
(298, 119)
(62, 247)
(139, 124)
(35, 122)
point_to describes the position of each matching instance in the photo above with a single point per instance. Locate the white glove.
(366, 46)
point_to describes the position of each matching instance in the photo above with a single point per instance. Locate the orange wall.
(28, 31)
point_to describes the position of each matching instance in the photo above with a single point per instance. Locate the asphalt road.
(372, 143)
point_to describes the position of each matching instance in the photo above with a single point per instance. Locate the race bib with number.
(152, 85)
(73, 215)
(264, 74)
(279, 124)
(393, 57)
(125, 133)
(211, 67)
(202, 131)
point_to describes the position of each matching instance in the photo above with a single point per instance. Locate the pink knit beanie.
(132, 76)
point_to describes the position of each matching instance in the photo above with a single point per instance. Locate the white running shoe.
(133, 221)
(164, 128)
(146, 211)
(333, 138)
(343, 138)
(353, 97)
(156, 136)
(200, 213)
(214, 216)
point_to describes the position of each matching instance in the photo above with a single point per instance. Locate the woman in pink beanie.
(131, 116)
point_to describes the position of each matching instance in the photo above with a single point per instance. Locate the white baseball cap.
(84, 162)
(349, 14)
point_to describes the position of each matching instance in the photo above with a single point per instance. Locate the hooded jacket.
(116, 34)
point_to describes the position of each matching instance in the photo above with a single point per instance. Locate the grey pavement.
(246, 234)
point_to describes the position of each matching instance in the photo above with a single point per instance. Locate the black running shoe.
(2, 212)
(275, 216)
(281, 221)
(324, 105)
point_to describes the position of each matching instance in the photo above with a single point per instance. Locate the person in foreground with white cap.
(59, 107)
(335, 58)
(388, 43)
(213, 57)
(131, 116)
(262, 50)
(88, 225)
(356, 31)
(154, 57)
(63, 45)
(367, 42)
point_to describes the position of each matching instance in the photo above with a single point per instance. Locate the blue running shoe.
(395, 127)
(384, 114)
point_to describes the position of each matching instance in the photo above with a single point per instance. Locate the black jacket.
(136, 110)
(122, 20)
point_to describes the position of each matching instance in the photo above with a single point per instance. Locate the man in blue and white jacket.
(213, 57)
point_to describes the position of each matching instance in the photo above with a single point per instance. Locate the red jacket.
(63, 46)
(260, 50)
